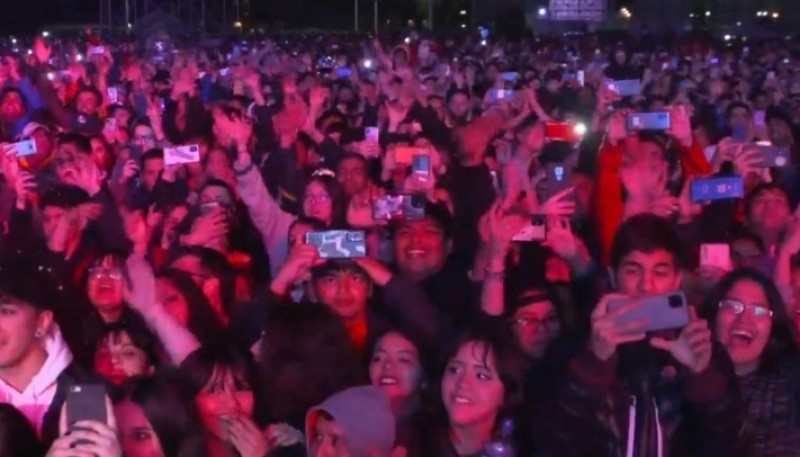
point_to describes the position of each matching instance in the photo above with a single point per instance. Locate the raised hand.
(245, 436)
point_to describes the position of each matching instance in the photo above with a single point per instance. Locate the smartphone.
(559, 131)
(399, 207)
(24, 148)
(97, 50)
(625, 87)
(759, 117)
(772, 156)
(372, 134)
(86, 402)
(182, 154)
(559, 178)
(716, 255)
(720, 188)
(657, 120)
(533, 232)
(405, 154)
(135, 152)
(338, 244)
(421, 164)
(113, 95)
(501, 94)
(343, 73)
(510, 76)
(581, 77)
(661, 312)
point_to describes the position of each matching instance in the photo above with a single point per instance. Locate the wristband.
(245, 170)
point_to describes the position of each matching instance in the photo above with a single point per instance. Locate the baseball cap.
(30, 128)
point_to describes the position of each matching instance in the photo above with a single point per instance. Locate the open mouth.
(741, 337)
(459, 400)
(388, 381)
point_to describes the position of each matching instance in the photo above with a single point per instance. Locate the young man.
(355, 422)
(35, 363)
(680, 392)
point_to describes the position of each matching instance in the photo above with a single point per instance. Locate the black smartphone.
(559, 178)
(86, 402)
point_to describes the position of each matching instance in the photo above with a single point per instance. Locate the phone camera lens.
(675, 301)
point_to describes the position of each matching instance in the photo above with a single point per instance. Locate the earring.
(39, 334)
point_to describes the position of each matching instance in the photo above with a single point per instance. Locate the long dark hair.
(170, 411)
(492, 339)
(782, 343)
(134, 325)
(305, 357)
(338, 199)
(203, 322)
(199, 367)
(17, 437)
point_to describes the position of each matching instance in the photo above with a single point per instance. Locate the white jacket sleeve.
(177, 339)
(269, 219)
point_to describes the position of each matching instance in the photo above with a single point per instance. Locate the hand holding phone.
(658, 120)
(182, 154)
(719, 188)
(86, 402)
(655, 312)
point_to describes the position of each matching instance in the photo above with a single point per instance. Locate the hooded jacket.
(365, 416)
(35, 400)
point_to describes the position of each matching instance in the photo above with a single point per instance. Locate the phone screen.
(712, 189)
(86, 402)
(421, 164)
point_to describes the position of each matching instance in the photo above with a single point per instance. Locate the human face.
(12, 108)
(51, 216)
(44, 144)
(345, 292)
(216, 194)
(297, 234)
(420, 248)
(123, 118)
(100, 154)
(352, 175)
(173, 301)
(106, 286)
(641, 273)
(328, 440)
(472, 391)
(150, 170)
(740, 116)
(136, 434)
(224, 396)
(745, 334)
(395, 367)
(117, 359)
(19, 324)
(770, 212)
(143, 136)
(535, 326)
(459, 105)
(86, 103)
(317, 202)
(779, 132)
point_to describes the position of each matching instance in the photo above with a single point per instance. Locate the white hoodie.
(35, 400)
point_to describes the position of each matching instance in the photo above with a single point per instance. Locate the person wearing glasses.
(750, 320)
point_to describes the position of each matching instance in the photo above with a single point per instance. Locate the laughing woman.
(750, 321)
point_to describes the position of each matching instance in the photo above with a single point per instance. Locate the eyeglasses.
(738, 307)
(531, 322)
(317, 198)
(144, 138)
(100, 272)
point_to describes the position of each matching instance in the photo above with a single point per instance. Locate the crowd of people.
(192, 263)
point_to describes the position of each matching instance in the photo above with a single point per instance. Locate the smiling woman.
(481, 389)
(750, 320)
